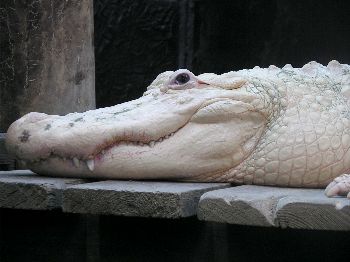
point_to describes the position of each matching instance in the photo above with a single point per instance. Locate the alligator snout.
(35, 117)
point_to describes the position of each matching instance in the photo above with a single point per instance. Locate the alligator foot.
(340, 186)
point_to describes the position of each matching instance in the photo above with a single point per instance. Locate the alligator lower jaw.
(98, 156)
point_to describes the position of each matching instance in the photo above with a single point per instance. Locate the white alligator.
(274, 126)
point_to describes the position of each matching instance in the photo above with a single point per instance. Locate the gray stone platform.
(218, 202)
(278, 207)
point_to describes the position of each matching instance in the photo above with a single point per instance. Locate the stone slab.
(277, 207)
(136, 198)
(22, 189)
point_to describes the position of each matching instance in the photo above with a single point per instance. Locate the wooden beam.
(276, 207)
(133, 198)
(22, 189)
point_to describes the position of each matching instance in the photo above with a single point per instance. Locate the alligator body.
(264, 126)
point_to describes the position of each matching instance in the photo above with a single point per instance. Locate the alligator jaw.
(95, 159)
(146, 138)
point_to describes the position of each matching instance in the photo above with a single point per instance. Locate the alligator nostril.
(24, 137)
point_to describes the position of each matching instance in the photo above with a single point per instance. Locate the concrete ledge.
(278, 207)
(22, 189)
(132, 198)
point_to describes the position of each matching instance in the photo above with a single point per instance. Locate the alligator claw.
(340, 186)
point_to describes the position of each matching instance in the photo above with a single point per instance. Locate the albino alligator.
(263, 126)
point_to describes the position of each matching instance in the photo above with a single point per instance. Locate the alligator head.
(271, 126)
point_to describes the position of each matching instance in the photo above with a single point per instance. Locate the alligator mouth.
(141, 141)
(101, 152)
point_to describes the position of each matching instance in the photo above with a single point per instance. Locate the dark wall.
(242, 34)
(136, 40)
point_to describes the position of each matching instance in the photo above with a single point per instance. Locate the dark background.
(136, 40)
(42, 236)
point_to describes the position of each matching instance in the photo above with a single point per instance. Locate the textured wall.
(241, 34)
(135, 40)
(309, 30)
(46, 57)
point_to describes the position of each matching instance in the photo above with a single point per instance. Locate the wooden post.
(46, 58)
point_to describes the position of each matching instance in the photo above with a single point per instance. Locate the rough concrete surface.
(22, 189)
(278, 207)
(132, 198)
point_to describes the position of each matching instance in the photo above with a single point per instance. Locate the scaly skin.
(272, 126)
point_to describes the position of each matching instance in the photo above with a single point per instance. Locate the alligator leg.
(340, 186)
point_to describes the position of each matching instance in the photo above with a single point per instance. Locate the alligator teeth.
(76, 162)
(167, 136)
(287, 66)
(160, 139)
(172, 134)
(151, 144)
(90, 164)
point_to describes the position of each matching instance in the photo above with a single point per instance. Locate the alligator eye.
(182, 78)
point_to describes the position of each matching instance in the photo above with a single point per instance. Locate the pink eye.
(182, 78)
